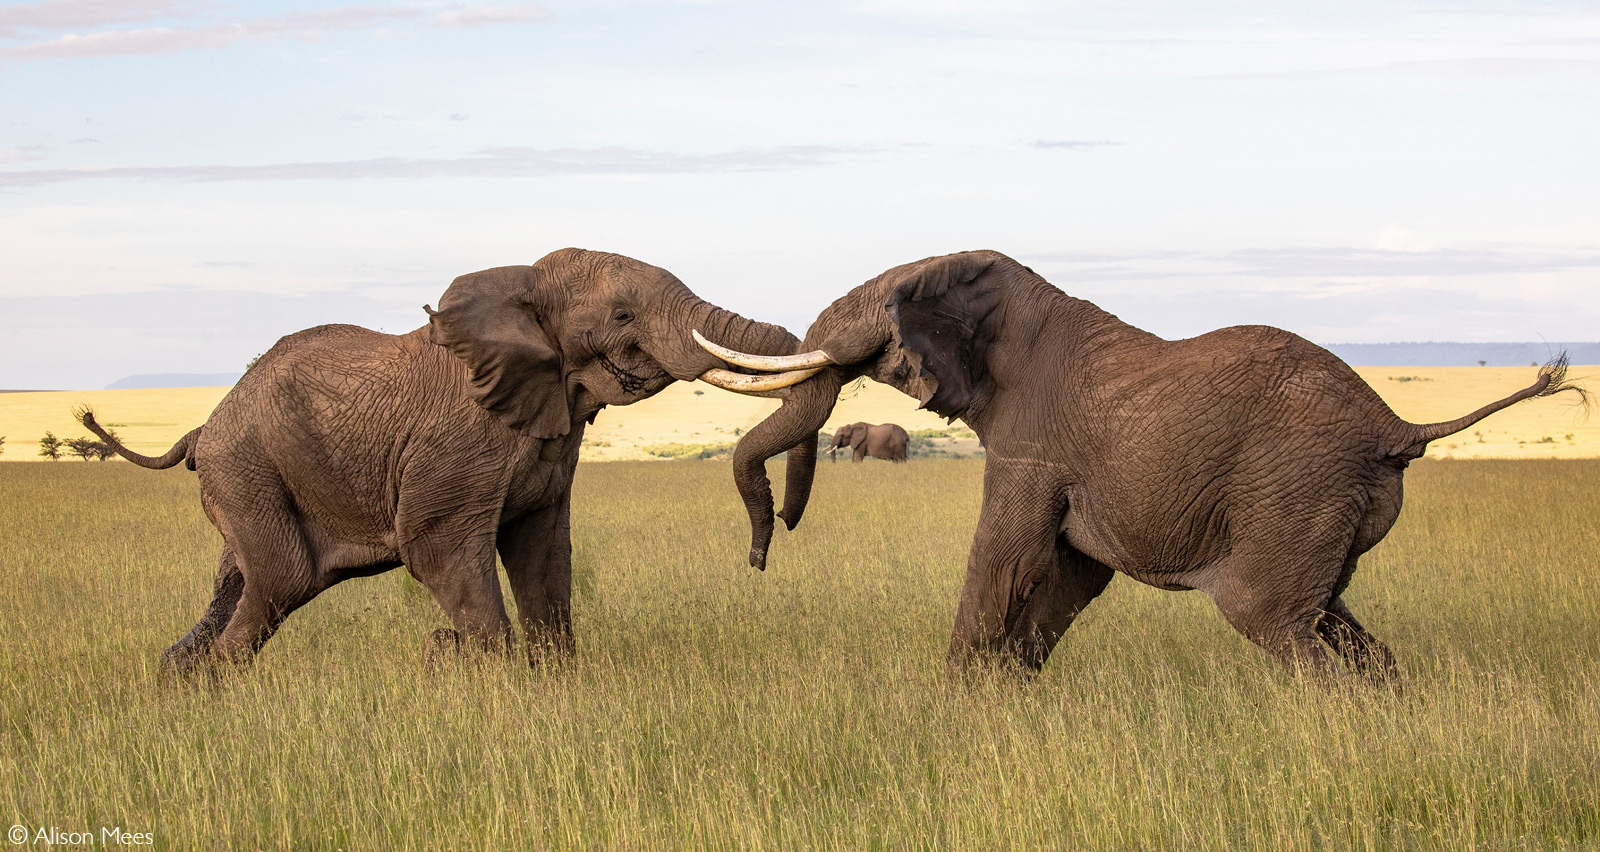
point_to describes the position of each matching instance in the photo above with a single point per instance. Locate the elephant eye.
(622, 316)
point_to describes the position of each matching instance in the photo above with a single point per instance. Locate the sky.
(183, 181)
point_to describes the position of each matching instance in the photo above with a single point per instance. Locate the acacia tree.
(50, 446)
(83, 448)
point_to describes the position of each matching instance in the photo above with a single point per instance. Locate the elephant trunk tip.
(758, 558)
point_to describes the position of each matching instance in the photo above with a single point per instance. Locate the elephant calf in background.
(345, 452)
(880, 440)
(1247, 462)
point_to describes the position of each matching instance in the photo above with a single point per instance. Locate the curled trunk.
(793, 427)
(749, 471)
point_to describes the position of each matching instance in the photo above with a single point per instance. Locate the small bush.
(690, 451)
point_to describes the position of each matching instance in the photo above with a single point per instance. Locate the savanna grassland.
(807, 706)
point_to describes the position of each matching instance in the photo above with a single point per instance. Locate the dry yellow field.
(148, 420)
(1552, 428)
(689, 415)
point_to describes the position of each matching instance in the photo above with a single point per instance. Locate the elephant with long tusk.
(344, 452)
(1247, 462)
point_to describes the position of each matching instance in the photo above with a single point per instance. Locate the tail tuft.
(1554, 375)
(1552, 380)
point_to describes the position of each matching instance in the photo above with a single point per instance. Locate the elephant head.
(551, 344)
(850, 435)
(926, 328)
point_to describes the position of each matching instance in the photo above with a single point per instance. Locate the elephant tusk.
(776, 385)
(767, 363)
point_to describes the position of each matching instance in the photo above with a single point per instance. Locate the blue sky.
(181, 183)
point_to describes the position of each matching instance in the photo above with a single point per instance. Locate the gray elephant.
(345, 452)
(879, 440)
(1247, 462)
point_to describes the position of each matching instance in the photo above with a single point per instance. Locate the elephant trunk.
(793, 427)
(749, 472)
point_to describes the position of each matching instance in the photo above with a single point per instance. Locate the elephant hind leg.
(1360, 650)
(1276, 600)
(196, 644)
(280, 576)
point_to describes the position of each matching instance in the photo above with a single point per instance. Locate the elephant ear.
(941, 309)
(858, 435)
(491, 322)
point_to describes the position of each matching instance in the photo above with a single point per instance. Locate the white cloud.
(1322, 265)
(298, 25)
(1074, 144)
(489, 162)
(124, 42)
(490, 15)
(1396, 238)
(946, 8)
(64, 14)
(21, 154)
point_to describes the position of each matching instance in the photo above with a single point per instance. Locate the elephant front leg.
(537, 552)
(1012, 556)
(1066, 591)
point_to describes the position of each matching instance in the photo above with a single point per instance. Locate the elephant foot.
(550, 652)
(443, 645)
(184, 666)
(974, 667)
(446, 646)
(179, 659)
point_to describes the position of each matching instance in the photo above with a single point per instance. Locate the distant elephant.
(345, 452)
(881, 441)
(1246, 462)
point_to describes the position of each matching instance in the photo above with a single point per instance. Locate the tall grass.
(806, 707)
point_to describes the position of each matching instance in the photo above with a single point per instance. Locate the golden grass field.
(688, 416)
(712, 706)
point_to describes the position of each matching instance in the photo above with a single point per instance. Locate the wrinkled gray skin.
(879, 440)
(345, 452)
(1247, 462)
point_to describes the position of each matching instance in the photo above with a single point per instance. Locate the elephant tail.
(183, 451)
(1552, 380)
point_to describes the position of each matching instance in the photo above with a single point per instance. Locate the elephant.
(345, 452)
(1247, 462)
(880, 440)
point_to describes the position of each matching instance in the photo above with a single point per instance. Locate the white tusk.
(769, 363)
(776, 385)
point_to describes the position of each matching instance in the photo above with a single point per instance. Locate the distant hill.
(1460, 354)
(174, 380)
